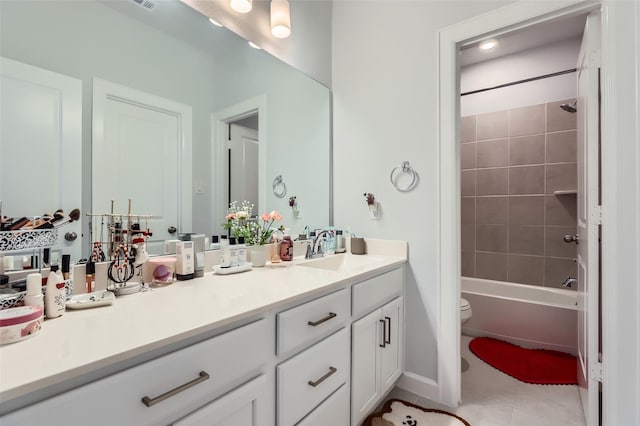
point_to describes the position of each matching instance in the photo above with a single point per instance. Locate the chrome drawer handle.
(202, 376)
(320, 321)
(323, 378)
(384, 334)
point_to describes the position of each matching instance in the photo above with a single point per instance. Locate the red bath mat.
(537, 366)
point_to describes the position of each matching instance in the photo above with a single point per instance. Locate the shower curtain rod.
(526, 80)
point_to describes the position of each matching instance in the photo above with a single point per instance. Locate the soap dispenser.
(55, 295)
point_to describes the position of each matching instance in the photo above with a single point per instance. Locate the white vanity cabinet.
(377, 342)
(164, 389)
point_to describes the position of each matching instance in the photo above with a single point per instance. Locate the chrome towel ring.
(404, 168)
(279, 187)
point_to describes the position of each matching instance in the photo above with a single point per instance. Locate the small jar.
(286, 248)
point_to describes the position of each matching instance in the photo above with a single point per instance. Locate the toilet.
(465, 311)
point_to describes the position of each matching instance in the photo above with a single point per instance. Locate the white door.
(366, 335)
(141, 150)
(243, 165)
(391, 353)
(41, 146)
(588, 110)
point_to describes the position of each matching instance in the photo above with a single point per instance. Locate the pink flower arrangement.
(240, 223)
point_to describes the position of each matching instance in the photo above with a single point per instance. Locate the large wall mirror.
(172, 52)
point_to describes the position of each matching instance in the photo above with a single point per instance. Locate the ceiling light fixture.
(241, 6)
(488, 44)
(255, 46)
(216, 23)
(280, 18)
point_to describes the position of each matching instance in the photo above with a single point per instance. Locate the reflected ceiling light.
(280, 18)
(241, 6)
(216, 23)
(488, 44)
(255, 46)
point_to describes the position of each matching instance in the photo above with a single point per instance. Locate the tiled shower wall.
(512, 221)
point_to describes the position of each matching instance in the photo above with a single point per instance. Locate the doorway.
(496, 24)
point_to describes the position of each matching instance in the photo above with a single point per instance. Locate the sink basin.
(341, 262)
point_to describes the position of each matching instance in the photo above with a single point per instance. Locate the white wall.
(529, 63)
(384, 111)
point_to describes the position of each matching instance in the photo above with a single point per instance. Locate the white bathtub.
(526, 315)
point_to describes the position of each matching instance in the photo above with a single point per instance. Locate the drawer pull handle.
(323, 378)
(384, 334)
(202, 376)
(388, 340)
(320, 321)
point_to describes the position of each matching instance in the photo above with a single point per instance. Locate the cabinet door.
(365, 390)
(248, 405)
(391, 353)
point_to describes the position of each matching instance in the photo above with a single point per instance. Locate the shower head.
(570, 107)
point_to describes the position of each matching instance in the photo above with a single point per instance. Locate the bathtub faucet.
(569, 281)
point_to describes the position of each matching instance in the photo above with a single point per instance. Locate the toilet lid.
(464, 305)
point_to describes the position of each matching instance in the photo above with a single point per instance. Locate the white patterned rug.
(402, 413)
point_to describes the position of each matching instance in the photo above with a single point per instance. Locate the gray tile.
(561, 147)
(526, 239)
(555, 246)
(468, 156)
(468, 237)
(493, 125)
(492, 153)
(491, 238)
(559, 119)
(468, 210)
(561, 177)
(526, 210)
(468, 264)
(491, 210)
(491, 266)
(556, 270)
(492, 181)
(468, 182)
(526, 180)
(468, 129)
(527, 120)
(560, 210)
(526, 150)
(525, 269)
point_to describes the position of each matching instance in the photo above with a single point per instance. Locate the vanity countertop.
(85, 341)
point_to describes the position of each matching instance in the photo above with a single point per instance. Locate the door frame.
(219, 122)
(500, 21)
(104, 90)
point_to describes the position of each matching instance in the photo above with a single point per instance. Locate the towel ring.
(404, 167)
(279, 187)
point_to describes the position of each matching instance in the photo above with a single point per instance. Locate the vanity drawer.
(228, 359)
(333, 411)
(373, 293)
(308, 323)
(310, 377)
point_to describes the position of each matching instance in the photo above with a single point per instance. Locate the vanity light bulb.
(488, 44)
(280, 18)
(241, 6)
(216, 23)
(255, 46)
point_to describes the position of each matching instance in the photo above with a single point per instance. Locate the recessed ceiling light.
(255, 46)
(216, 23)
(488, 44)
(241, 6)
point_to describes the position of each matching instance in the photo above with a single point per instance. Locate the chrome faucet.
(315, 248)
(569, 281)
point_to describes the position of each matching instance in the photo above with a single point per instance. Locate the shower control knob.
(571, 238)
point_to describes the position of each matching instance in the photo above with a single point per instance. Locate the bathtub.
(526, 315)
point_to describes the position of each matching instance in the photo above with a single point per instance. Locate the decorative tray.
(246, 266)
(27, 239)
(91, 300)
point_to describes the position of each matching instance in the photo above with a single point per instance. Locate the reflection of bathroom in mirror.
(205, 68)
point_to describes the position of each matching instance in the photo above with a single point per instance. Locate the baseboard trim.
(419, 385)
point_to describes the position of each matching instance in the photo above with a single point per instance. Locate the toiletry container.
(184, 260)
(34, 296)
(242, 251)
(19, 323)
(215, 243)
(55, 295)
(340, 247)
(225, 255)
(286, 248)
(233, 252)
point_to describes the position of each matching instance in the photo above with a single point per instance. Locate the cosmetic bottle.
(215, 243)
(275, 250)
(340, 247)
(242, 251)
(225, 255)
(286, 248)
(55, 295)
(66, 264)
(34, 296)
(90, 271)
(331, 242)
(233, 252)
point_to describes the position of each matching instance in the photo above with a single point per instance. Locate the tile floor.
(492, 398)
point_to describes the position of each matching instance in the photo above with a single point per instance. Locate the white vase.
(259, 254)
